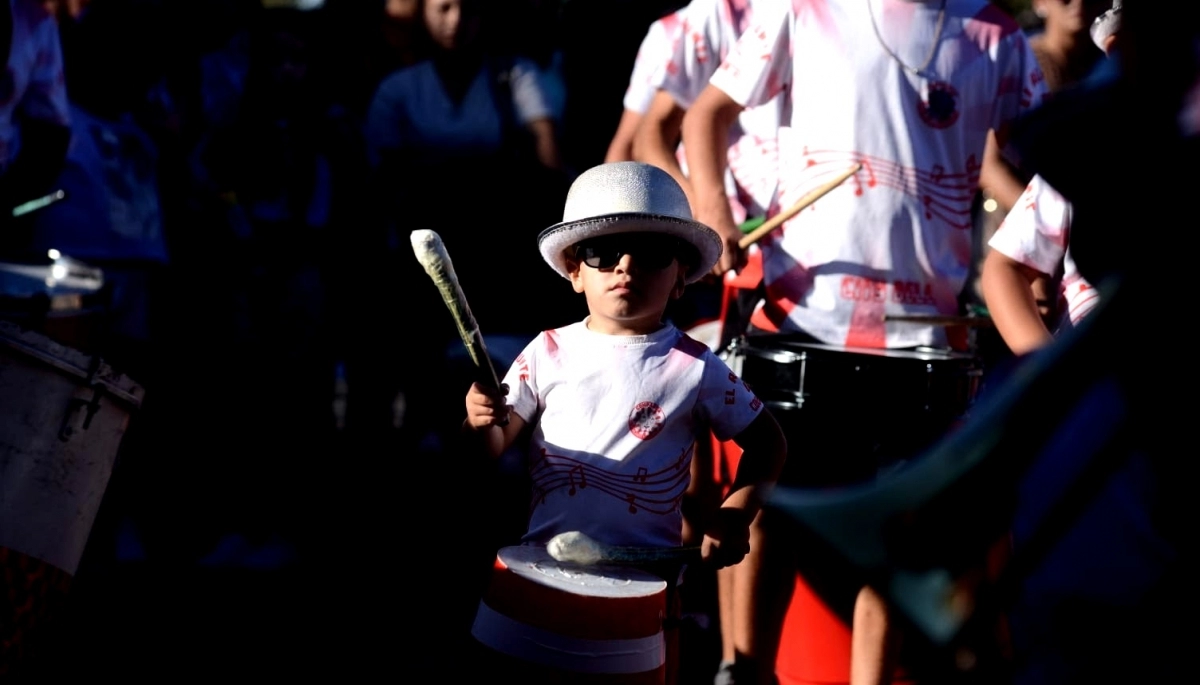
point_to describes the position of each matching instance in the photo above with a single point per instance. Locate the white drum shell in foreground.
(53, 469)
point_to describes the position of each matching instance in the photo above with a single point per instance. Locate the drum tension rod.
(65, 431)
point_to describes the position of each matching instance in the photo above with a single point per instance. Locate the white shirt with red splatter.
(1037, 233)
(896, 237)
(615, 421)
(652, 53)
(32, 85)
(710, 29)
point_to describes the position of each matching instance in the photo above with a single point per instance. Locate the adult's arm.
(705, 142)
(1010, 300)
(620, 148)
(657, 139)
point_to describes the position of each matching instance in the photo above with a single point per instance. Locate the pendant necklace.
(937, 100)
(921, 71)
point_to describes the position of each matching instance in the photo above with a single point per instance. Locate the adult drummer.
(653, 52)
(909, 89)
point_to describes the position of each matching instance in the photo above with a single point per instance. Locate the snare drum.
(598, 623)
(848, 412)
(64, 415)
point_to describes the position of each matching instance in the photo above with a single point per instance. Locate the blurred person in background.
(1066, 55)
(463, 142)
(34, 115)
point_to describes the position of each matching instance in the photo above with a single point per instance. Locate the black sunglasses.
(650, 251)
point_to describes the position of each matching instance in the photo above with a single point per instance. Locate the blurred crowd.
(246, 175)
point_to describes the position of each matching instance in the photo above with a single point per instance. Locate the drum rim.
(73, 363)
(779, 348)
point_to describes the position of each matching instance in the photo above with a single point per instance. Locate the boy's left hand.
(727, 540)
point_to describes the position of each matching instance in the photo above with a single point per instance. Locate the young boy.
(623, 392)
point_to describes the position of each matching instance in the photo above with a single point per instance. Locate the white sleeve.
(522, 381)
(652, 54)
(759, 66)
(726, 402)
(695, 53)
(529, 100)
(1035, 231)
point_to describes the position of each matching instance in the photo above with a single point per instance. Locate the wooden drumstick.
(431, 253)
(777, 220)
(577, 548)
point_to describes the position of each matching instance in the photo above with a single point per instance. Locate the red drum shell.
(584, 619)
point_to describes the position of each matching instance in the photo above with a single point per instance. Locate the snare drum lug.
(92, 408)
(66, 430)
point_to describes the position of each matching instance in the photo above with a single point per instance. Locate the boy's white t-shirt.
(615, 420)
(1037, 233)
(896, 237)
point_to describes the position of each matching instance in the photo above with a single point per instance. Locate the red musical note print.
(945, 194)
(582, 479)
(657, 492)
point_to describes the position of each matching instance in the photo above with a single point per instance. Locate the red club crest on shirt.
(646, 420)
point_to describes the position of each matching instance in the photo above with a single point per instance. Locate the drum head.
(535, 564)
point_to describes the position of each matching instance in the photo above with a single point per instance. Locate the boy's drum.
(848, 412)
(64, 415)
(573, 623)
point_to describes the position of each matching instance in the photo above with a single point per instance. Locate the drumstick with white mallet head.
(816, 194)
(577, 548)
(431, 253)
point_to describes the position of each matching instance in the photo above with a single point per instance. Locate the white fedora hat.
(627, 197)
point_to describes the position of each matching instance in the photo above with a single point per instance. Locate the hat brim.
(556, 240)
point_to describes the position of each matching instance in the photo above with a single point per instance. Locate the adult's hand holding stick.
(431, 253)
(777, 220)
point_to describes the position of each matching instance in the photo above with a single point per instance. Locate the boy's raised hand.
(486, 406)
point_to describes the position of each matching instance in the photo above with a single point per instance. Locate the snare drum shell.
(64, 416)
(595, 620)
(849, 412)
